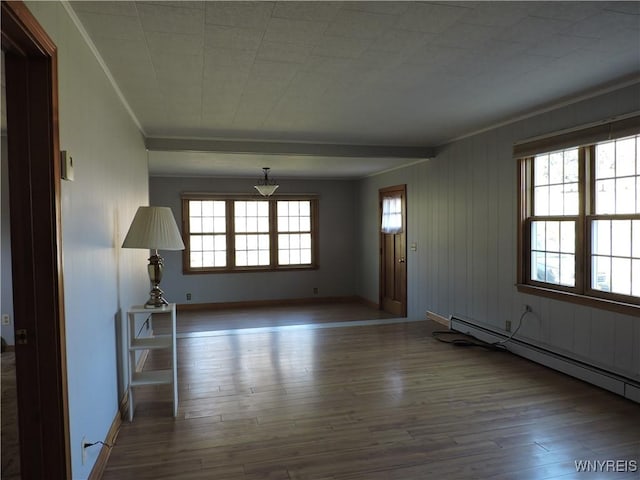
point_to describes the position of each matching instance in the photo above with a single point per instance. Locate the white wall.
(462, 215)
(100, 278)
(6, 281)
(335, 277)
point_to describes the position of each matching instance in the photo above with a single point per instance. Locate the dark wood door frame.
(34, 184)
(398, 307)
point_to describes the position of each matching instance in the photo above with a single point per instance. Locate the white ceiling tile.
(559, 45)
(225, 98)
(284, 52)
(604, 23)
(218, 119)
(216, 36)
(622, 7)
(311, 11)
(360, 24)
(379, 60)
(175, 42)
(164, 18)
(239, 14)
(106, 8)
(284, 30)
(260, 90)
(497, 14)
(197, 5)
(112, 26)
(496, 51)
(534, 30)
(464, 35)
(437, 55)
(124, 51)
(250, 116)
(386, 8)
(341, 47)
(225, 77)
(427, 17)
(622, 40)
(227, 59)
(572, 11)
(308, 84)
(397, 41)
(174, 65)
(274, 70)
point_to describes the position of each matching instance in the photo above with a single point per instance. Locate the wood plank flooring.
(367, 403)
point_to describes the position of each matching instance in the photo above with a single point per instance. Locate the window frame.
(230, 233)
(582, 293)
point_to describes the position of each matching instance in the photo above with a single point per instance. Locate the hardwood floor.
(372, 402)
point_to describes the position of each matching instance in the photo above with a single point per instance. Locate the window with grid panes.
(240, 233)
(207, 234)
(615, 224)
(580, 212)
(294, 232)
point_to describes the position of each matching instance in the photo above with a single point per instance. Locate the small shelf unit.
(135, 344)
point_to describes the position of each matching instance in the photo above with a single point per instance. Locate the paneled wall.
(335, 277)
(462, 216)
(100, 279)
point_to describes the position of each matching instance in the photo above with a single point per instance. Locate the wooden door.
(393, 252)
(34, 190)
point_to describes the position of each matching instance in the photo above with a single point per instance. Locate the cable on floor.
(469, 341)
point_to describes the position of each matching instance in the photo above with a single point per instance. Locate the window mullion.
(273, 234)
(583, 244)
(231, 234)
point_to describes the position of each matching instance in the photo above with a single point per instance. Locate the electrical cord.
(91, 444)
(470, 341)
(501, 343)
(146, 322)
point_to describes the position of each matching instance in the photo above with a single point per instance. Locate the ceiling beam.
(287, 148)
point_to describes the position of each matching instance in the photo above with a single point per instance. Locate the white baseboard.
(439, 319)
(623, 386)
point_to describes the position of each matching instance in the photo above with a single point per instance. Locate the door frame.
(36, 243)
(384, 192)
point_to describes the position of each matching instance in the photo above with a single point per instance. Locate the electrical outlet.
(315, 290)
(507, 325)
(6, 319)
(84, 450)
(188, 296)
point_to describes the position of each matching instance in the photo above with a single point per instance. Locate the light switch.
(66, 165)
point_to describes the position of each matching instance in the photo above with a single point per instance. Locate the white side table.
(167, 376)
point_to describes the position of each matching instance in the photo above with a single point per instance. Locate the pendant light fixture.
(266, 186)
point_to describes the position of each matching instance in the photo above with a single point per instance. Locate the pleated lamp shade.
(154, 228)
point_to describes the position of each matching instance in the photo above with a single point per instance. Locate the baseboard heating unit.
(621, 385)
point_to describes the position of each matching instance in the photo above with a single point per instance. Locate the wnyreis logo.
(618, 466)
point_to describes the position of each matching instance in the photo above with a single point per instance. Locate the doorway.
(393, 249)
(34, 203)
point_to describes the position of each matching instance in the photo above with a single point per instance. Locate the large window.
(223, 233)
(580, 219)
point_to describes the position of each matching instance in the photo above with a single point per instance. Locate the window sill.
(208, 271)
(595, 302)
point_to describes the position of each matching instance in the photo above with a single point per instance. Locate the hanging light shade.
(265, 186)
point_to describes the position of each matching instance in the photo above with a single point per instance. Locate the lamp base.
(155, 267)
(156, 299)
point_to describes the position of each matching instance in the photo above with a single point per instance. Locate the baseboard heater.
(621, 385)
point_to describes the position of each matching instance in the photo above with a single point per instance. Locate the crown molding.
(74, 18)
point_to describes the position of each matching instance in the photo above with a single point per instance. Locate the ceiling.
(390, 80)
